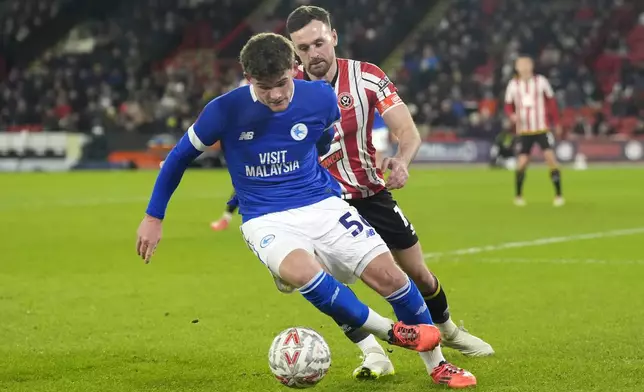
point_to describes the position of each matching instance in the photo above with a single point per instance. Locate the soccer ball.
(299, 357)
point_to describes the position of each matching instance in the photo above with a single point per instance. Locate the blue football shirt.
(272, 157)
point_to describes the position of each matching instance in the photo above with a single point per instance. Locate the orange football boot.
(421, 338)
(452, 376)
(220, 225)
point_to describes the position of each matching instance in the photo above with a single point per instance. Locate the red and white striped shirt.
(533, 102)
(361, 88)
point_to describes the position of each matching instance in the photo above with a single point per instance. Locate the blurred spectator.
(18, 18)
(470, 40)
(452, 76)
(582, 128)
(639, 129)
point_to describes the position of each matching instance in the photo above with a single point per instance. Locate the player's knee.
(413, 263)
(551, 159)
(383, 275)
(424, 280)
(298, 268)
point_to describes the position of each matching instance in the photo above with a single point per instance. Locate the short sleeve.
(209, 126)
(509, 93)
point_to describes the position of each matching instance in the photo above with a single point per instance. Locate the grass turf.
(80, 312)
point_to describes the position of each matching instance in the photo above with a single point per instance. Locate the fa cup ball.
(299, 357)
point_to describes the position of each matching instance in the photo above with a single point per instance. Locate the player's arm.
(384, 96)
(203, 133)
(401, 124)
(509, 103)
(551, 104)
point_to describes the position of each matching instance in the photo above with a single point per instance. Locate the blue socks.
(336, 300)
(409, 305)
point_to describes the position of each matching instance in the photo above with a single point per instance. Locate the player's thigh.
(345, 243)
(525, 144)
(383, 214)
(547, 144)
(272, 240)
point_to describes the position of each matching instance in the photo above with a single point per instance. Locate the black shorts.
(544, 140)
(382, 212)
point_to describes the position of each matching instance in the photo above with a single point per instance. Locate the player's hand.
(148, 237)
(513, 118)
(399, 173)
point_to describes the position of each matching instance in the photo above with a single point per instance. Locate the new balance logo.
(247, 135)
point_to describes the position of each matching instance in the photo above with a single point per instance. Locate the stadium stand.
(18, 19)
(98, 75)
(456, 72)
(150, 65)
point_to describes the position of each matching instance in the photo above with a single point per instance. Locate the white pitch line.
(536, 242)
(537, 260)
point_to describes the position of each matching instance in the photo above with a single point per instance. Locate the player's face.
(315, 45)
(275, 93)
(524, 67)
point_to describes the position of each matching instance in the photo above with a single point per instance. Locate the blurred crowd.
(455, 74)
(100, 75)
(19, 18)
(150, 66)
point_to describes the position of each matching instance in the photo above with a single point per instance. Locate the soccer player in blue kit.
(294, 220)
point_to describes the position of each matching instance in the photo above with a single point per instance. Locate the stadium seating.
(150, 65)
(19, 18)
(100, 74)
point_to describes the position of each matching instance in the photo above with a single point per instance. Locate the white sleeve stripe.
(194, 139)
(381, 94)
(546, 87)
(509, 92)
(370, 77)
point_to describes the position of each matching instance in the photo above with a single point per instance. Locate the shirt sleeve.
(382, 92)
(203, 133)
(209, 127)
(509, 99)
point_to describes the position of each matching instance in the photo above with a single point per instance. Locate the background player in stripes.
(530, 104)
(362, 88)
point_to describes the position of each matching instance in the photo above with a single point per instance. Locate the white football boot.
(558, 201)
(375, 364)
(460, 339)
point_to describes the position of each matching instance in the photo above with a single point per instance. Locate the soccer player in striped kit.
(362, 88)
(530, 104)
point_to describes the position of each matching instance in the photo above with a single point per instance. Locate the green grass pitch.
(80, 312)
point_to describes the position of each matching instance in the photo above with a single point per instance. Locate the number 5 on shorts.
(353, 223)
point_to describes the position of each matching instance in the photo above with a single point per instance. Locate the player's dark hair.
(267, 56)
(304, 15)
